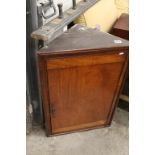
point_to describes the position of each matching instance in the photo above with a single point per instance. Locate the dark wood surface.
(121, 27)
(123, 22)
(80, 38)
(81, 82)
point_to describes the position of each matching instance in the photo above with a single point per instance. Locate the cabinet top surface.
(81, 38)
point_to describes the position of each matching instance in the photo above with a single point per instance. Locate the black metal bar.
(31, 63)
(60, 5)
(74, 4)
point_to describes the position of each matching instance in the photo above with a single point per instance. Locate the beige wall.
(103, 14)
(122, 6)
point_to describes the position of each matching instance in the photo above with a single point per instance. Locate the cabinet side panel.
(119, 87)
(45, 94)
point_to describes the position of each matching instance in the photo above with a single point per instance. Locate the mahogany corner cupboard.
(81, 75)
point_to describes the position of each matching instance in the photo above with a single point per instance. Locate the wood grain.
(82, 94)
(80, 89)
(84, 61)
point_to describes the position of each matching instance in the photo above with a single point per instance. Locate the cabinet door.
(82, 89)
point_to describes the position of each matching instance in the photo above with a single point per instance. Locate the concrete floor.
(112, 140)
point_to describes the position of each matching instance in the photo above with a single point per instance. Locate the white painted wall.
(66, 5)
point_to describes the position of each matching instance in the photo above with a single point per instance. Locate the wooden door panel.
(82, 95)
(85, 60)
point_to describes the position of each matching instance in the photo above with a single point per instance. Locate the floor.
(111, 140)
